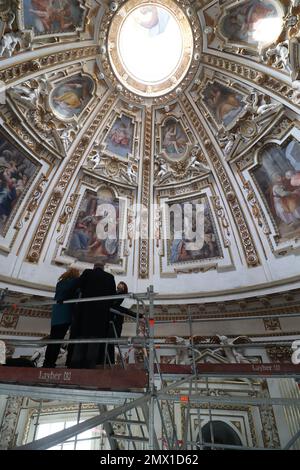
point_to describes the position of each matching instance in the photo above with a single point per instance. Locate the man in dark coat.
(94, 316)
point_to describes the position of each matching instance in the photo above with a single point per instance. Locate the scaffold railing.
(155, 390)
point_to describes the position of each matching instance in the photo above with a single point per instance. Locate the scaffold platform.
(115, 378)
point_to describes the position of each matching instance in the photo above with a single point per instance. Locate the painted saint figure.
(278, 178)
(70, 97)
(153, 19)
(96, 232)
(242, 22)
(16, 172)
(120, 138)
(225, 104)
(174, 139)
(52, 16)
(286, 200)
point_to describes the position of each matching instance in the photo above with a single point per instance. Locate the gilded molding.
(279, 353)
(15, 125)
(9, 423)
(9, 320)
(249, 161)
(145, 198)
(216, 407)
(22, 70)
(200, 312)
(272, 324)
(36, 196)
(67, 211)
(255, 206)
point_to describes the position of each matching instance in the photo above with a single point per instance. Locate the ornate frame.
(224, 11)
(163, 153)
(206, 260)
(93, 184)
(130, 155)
(187, 193)
(60, 81)
(234, 85)
(62, 34)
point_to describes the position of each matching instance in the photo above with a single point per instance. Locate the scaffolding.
(146, 399)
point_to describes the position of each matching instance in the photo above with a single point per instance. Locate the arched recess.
(219, 432)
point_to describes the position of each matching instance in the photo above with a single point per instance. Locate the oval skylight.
(150, 44)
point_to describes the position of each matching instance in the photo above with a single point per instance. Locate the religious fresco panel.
(174, 141)
(278, 179)
(224, 104)
(119, 140)
(69, 97)
(17, 172)
(199, 239)
(95, 236)
(244, 23)
(48, 17)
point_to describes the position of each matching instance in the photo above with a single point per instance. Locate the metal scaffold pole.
(151, 347)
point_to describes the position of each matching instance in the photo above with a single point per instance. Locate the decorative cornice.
(23, 69)
(23, 333)
(29, 312)
(235, 315)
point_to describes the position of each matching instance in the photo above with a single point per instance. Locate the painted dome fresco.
(160, 137)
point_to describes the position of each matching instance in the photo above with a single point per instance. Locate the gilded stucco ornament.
(11, 73)
(36, 196)
(31, 100)
(192, 166)
(39, 101)
(11, 39)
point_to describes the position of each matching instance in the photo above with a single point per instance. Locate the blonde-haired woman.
(61, 317)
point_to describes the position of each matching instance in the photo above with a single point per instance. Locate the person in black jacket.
(94, 317)
(116, 322)
(61, 315)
